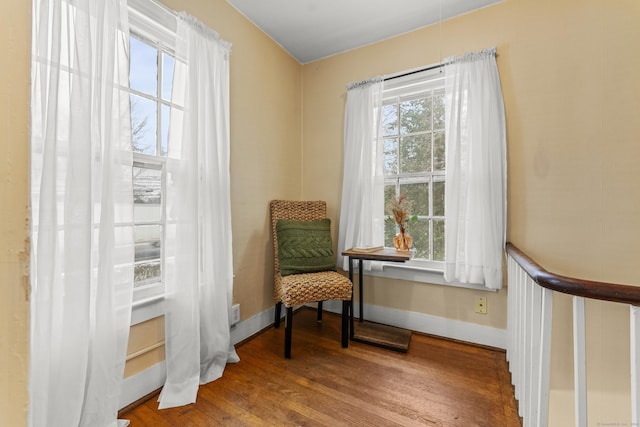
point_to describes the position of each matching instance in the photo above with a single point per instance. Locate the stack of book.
(367, 249)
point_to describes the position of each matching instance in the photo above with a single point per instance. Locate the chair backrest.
(293, 210)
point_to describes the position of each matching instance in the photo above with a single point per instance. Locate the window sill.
(148, 303)
(420, 274)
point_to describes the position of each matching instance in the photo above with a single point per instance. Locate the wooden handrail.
(626, 294)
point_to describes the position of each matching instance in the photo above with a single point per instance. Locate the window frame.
(398, 177)
(396, 91)
(401, 85)
(155, 25)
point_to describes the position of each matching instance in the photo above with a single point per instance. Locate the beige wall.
(146, 346)
(569, 73)
(15, 39)
(266, 130)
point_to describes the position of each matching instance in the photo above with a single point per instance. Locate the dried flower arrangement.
(399, 209)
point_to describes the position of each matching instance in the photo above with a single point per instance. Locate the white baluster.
(536, 331)
(579, 362)
(635, 364)
(529, 344)
(545, 358)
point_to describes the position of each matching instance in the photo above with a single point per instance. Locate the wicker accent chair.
(296, 289)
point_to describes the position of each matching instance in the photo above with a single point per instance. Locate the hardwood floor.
(437, 383)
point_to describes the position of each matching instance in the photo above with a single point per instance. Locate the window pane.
(438, 151)
(146, 272)
(143, 125)
(389, 225)
(389, 232)
(389, 194)
(164, 130)
(167, 75)
(147, 242)
(438, 110)
(147, 194)
(390, 119)
(391, 156)
(143, 69)
(420, 232)
(147, 253)
(415, 153)
(418, 195)
(438, 240)
(415, 115)
(438, 198)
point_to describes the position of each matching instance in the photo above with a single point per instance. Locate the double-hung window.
(413, 136)
(150, 79)
(412, 132)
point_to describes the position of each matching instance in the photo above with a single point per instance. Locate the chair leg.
(287, 333)
(276, 323)
(319, 311)
(345, 323)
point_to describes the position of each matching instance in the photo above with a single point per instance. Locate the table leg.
(361, 298)
(351, 305)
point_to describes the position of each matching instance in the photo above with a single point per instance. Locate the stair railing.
(529, 319)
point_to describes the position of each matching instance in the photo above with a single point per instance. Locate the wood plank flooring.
(436, 383)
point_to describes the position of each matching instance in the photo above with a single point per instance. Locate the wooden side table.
(377, 334)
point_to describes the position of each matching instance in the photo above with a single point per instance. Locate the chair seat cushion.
(298, 289)
(305, 246)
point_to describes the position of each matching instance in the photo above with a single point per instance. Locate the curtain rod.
(433, 67)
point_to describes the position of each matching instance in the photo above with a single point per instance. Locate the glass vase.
(403, 241)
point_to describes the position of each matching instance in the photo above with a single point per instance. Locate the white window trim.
(153, 21)
(144, 309)
(414, 272)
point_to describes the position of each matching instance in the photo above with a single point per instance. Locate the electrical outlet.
(235, 314)
(481, 305)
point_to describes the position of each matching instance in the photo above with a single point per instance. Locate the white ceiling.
(314, 29)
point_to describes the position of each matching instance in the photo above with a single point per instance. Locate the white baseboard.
(428, 324)
(139, 385)
(246, 328)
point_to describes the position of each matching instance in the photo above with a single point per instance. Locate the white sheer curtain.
(475, 197)
(198, 265)
(82, 206)
(362, 207)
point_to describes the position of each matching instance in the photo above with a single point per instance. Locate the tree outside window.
(414, 165)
